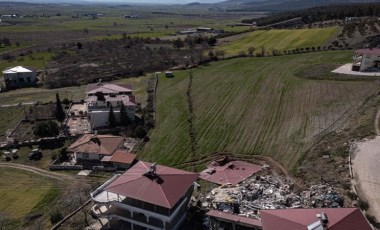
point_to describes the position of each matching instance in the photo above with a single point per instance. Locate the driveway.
(366, 169)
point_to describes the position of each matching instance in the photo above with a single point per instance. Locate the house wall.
(99, 118)
(88, 156)
(368, 60)
(18, 80)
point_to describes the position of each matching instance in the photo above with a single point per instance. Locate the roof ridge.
(167, 201)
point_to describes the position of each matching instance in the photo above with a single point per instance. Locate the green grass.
(36, 60)
(23, 193)
(9, 119)
(279, 39)
(251, 106)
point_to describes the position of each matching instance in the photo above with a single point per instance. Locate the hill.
(252, 106)
(277, 39)
(283, 5)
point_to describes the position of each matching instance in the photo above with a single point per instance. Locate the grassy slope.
(280, 39)
(26, 194)
(251, 106)
(9, 119)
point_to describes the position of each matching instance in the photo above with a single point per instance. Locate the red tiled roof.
(299, 219)
(98, 144)
(108, 88)
(164, 190)
(373, 51)
(233, 172)
(235, 218)
(120, 156)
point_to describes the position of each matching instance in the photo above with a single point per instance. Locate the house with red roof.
(293, 219)
(97, 150)
(147, 196)
(366, 60)
(100, 97)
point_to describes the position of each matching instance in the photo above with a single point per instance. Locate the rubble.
(267, 192)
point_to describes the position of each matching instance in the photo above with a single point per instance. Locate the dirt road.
(42, 172)
(366, 169)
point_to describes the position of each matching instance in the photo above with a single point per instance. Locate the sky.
(160, 1)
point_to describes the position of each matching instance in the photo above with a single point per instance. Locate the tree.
(111, 118)
(59, 113)
(46, 129)
(56, 216)
(79, 45)
(251, 50)
(140, 132)
(85, 30)
(178, 43)
(124, 119)
(211, 41)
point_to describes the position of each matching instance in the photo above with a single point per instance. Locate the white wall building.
(147, 196)
(366, 60)
(100, 97)
(18, 77)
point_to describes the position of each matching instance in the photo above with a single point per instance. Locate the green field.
(252, 106)
(278, 39)
(23, 194)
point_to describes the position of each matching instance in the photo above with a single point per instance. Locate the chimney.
(324, 218)
(153, 168)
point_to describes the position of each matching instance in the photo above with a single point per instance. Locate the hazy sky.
(161, 1)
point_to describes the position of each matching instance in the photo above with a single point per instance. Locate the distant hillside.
(284, 5)
(322, 13)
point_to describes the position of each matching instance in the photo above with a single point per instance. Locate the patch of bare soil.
(327, 160)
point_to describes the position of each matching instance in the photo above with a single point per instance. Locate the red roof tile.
(108, 88)
(164, 190)
(233, 172)
(235, 218)
(120, 156)
(373, 51)
(97, 144)
(299, 219)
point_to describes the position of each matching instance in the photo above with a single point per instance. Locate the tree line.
(323, 13)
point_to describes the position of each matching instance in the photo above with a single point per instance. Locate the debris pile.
(267, 192)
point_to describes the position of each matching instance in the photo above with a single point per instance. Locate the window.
(85, 155)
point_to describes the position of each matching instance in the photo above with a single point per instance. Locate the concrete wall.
(99, 118)
(368, 61)
(18, 80)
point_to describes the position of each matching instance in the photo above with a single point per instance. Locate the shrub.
(140, 132)
(46, 129)
(363, 205)
(55, 217)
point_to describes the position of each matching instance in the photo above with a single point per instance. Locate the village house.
(293, 219)
(147, 196)
(366, 60)
(100, 97)
(101, 150)
(18, 77)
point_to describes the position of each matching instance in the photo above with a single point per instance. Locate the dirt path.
(41, 172)
(366, 170)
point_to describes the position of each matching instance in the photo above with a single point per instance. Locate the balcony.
(103, 197)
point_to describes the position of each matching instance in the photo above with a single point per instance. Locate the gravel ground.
(366, 169)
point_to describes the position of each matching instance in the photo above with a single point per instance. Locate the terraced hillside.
(252, 106)
(277, 39)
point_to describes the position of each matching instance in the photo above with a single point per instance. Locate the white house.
(366, 60)
(100, 97)
(147, 196)
(18, 77)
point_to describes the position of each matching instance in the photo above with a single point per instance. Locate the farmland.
(253, 106)
(277, 39)
(26, 194)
